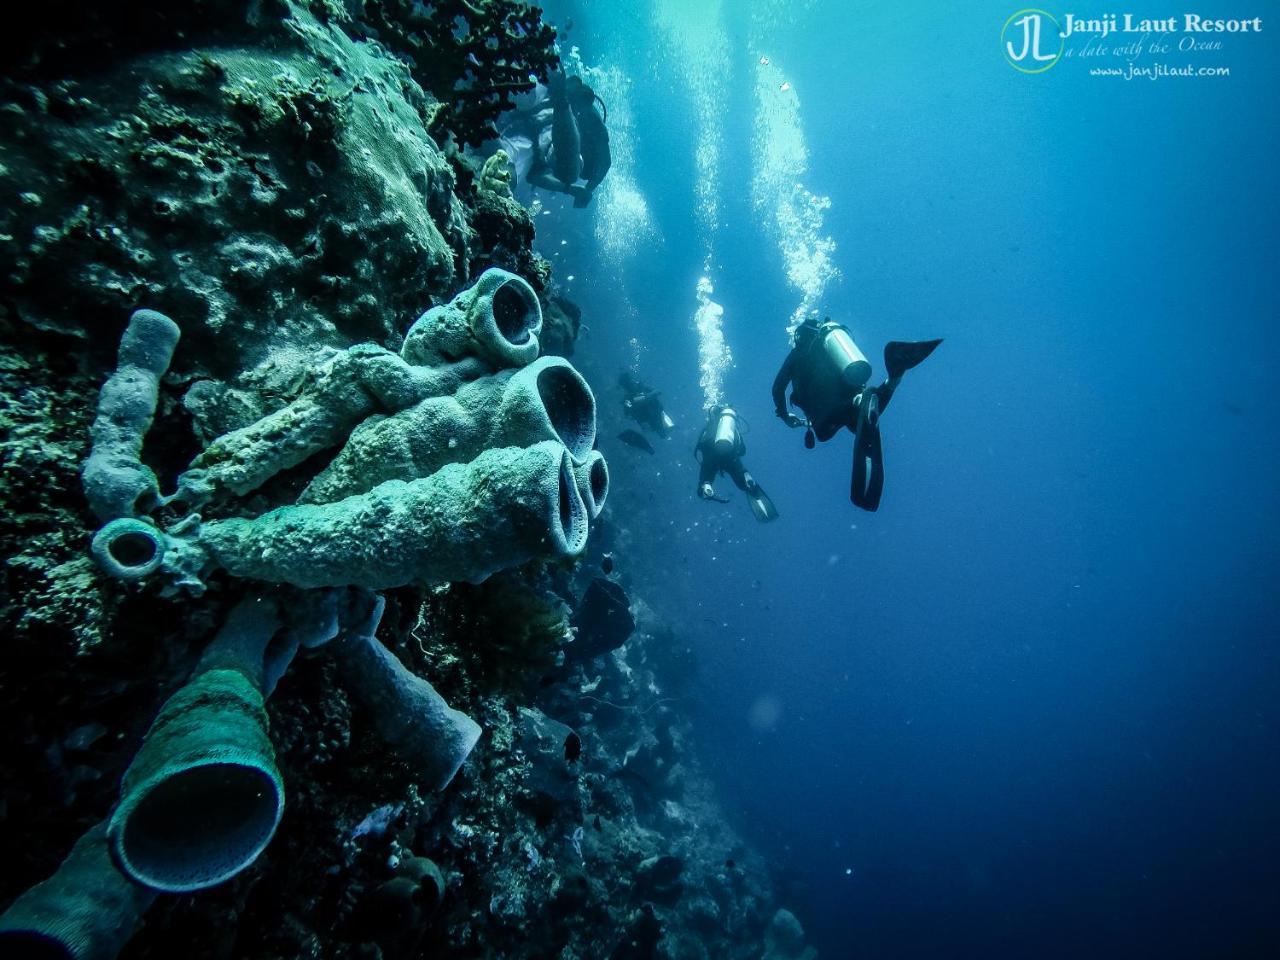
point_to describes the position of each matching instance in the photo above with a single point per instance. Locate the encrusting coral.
(477, 70)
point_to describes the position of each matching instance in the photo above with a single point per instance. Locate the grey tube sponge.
(464, 522)
(593, 482)
(203, 797)
(351, 386)
(116, 482)
(497, 319)
(425, 731)
(86, 911)
(547, 400)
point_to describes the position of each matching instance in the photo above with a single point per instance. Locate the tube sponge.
(350, 386)
(593, 482)
(464, 522)
(547, 400)
(497, 319)
(407, 712)
(203, 796)
(116, 482)
(85, 911)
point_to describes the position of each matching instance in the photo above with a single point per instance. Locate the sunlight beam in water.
(700, 48)
(623, 220)
(791, 212)
(714, 355)
(699, 45)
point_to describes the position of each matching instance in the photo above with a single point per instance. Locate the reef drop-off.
(285, 184)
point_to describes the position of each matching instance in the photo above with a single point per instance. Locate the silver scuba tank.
(850, 365)
(726, 441)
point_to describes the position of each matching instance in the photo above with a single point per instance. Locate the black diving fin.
(761, 505)
(867, 482)
(901, 355)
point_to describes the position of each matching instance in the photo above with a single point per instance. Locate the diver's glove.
(790, 419)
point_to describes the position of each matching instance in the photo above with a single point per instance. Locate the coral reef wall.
(281, 179)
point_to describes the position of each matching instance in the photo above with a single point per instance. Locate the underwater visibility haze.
(453, 503)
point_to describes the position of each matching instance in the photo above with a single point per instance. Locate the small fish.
(764, 61)
(633, 438)
(606, 563)
(785, 86)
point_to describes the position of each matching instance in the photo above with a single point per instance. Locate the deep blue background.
(1030, 708)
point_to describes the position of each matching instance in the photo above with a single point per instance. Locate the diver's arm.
(780, 384)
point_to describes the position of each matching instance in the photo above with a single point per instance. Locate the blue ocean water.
(1030, 707)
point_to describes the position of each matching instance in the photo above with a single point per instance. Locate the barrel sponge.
(602, 623)
(203, 797)
(116, 482)
(465, 522)
(497, 319)
(86, 911)
(593, 482)
(407, 712)
(547, 400)
(554, 751)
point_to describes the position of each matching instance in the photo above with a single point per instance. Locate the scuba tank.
(850, 365)
(566, 143)
(727, 440)
(829, 376)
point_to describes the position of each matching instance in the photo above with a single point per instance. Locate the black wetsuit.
(793, 374)
(713, 463)
(578, 146)
(646, 409)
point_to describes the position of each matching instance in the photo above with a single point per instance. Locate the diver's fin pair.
(900, 356)
(761, 505)
(867, 483)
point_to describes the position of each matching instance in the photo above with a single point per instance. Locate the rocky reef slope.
(285, 181)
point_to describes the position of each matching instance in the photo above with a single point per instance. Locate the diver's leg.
(866, 482)
(738, 474)
(759, 501)
(706, 474)
(545, 180)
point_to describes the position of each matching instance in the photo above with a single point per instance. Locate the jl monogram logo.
(1022, 41)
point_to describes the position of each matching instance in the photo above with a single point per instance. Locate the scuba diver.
(643, 404)
(719, 450)
(828, 376)
(560, 141)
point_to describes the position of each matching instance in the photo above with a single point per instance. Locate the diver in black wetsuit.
(643, 404)
(827, 374)
(720, 449)
(571, 142)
